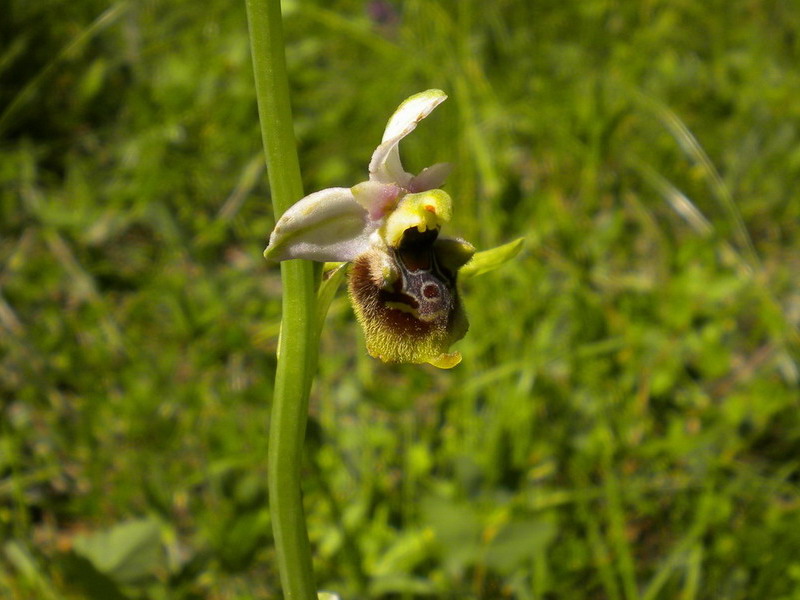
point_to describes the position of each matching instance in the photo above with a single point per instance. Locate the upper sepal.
(329, 225)
(385, 165)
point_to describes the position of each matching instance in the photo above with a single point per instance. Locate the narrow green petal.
(489, 260)
(330, 266)
(453, 253)
(327, 290)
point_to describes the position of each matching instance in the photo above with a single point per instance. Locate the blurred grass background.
(625, 422)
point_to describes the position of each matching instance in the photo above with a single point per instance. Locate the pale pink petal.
(378, 199)
(430, 178)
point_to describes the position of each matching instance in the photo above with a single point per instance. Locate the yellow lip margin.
(424, 210)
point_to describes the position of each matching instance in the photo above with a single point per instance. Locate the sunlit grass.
(624, 424)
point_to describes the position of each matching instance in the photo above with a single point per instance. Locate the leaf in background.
(81, 575)
(381, 586)
(240, 538)
(126, 552)
(29, 569)
(489, 260)
(405, 553)
(518, 542)
(457, 527)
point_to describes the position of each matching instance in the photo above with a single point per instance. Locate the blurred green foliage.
(625, 422)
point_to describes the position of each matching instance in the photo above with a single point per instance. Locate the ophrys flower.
(403, 278)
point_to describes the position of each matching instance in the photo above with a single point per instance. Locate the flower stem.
(298, 345)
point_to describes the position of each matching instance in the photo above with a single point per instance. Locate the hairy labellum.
(414, 314)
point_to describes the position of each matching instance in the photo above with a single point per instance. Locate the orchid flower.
(402, 282)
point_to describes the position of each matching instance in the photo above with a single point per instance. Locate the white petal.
(430, 178)
(385, 165)
(328, 225)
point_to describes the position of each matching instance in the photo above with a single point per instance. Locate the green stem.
(298, 346)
